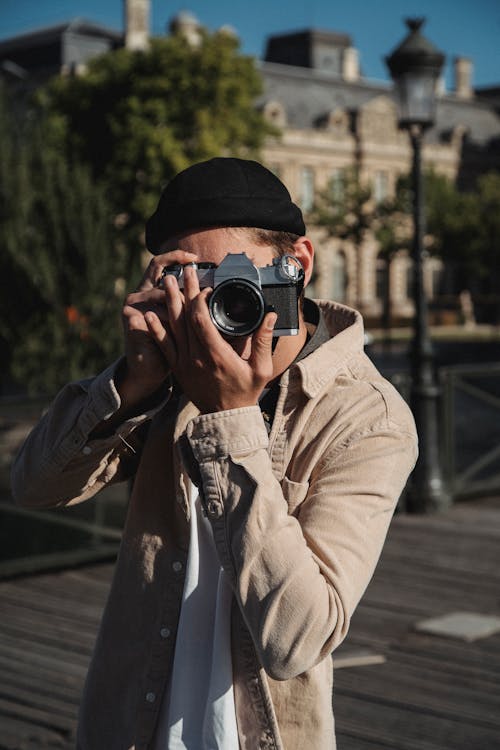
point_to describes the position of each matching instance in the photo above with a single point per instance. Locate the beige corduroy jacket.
(299, 519)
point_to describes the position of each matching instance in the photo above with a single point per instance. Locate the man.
(266, 471)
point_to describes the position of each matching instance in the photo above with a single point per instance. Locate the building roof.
(34, 56)
(49, 34)
(307, 92)
(307, 95)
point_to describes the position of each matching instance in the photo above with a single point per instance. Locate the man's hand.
(206, 366)
(146, 366)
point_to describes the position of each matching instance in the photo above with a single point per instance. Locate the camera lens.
(237, 307)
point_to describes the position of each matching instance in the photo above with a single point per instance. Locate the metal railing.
(471, 422)
(469, 427)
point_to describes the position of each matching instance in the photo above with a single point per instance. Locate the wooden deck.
(430, 693)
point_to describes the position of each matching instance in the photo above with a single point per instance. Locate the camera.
(243, 293)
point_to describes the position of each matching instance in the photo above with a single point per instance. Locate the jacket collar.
(345, 326)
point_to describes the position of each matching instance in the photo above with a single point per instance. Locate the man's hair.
(282, 242)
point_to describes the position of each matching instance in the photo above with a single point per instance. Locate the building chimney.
(440, 86)
(137, 24)
(463, 77)
(187, 25)
(350, 64)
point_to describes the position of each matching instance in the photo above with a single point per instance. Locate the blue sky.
(458, 27)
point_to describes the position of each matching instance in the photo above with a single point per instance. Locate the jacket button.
(165, 632)
(177, 566)
(150, 697)
(213, 509)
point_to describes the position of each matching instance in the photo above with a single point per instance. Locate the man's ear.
(303, 250)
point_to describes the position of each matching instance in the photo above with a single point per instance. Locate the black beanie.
(223, 192)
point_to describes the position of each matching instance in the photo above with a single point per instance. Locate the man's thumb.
(262, 342)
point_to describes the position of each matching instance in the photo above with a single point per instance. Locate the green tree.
(465, 230)
(59, 319)
(462, 228)
(137, 118)
(345, 210)
(80, 178)
(392, 228)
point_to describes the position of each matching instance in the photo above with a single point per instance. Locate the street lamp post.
(415, 66)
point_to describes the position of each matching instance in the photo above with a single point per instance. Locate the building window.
(436, 284)
(381, 280)
(339, 282)
(380, 187)
(337, 184)
(306, 189)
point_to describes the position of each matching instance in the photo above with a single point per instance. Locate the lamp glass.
(416, 93)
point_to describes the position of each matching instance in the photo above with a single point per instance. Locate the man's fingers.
(201, 324)
(160, 334)
(139, 303)
(174, 301)
(135, 322)
(262, 341)
(175, 306)
(155, 268)
(191, 285)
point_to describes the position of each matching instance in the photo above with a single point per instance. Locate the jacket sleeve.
(298, 578)
(59, 464)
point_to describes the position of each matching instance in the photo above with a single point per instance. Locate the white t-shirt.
(197, 711)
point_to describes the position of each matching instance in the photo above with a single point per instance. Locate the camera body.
(243, 293)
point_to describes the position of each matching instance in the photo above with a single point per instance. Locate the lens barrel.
(237, 307)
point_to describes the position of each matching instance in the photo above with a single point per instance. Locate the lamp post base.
(427, 497)
(427, 491)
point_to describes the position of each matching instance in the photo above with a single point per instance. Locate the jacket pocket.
(294, 493)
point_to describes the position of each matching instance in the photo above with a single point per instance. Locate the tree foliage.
(392, 220)
(345, 208)
(81, 173)
(462, 228)
(59, 318)
(465, 230)
(137, 118)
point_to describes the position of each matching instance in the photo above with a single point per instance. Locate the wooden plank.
(32, 658)
(356, 656)
(51, 677)
(21, 735)
(345, 742)
(40, 717)
(449, 699)
(406, 727)
(447, 665)
(40, 683)
(49, 604)
(430, 694)
(30, 697)
(22, 624)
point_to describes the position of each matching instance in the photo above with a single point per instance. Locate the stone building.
(331, 118)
